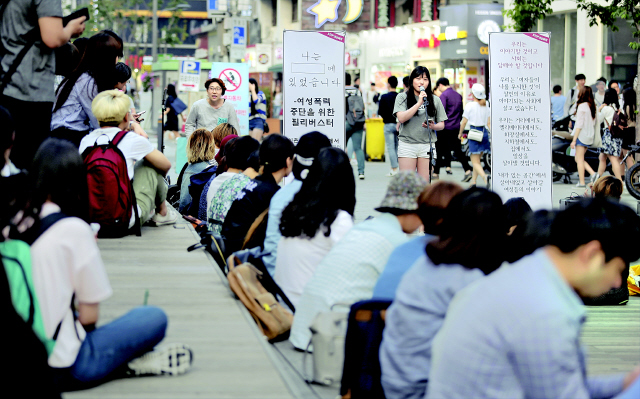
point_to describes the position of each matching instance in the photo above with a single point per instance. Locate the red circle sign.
(231, 78)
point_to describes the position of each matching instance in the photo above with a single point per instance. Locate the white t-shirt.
(215, 185)
(298, 257)
(133, 146)
(66, 260)
(476, 114)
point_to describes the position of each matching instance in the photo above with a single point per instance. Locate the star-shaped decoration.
(324, 11)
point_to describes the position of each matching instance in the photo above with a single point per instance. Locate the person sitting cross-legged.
(71, 281)
(516, 332)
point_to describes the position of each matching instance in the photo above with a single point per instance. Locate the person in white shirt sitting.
(70, 282)
(146, 165)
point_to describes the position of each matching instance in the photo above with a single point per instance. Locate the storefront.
(425, 48)
(464, 39)
(387, 53)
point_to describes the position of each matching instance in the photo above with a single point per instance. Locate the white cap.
(478, 91)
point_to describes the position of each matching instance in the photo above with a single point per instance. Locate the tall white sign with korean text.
(313, 83)
(236, 79)
(521, 117)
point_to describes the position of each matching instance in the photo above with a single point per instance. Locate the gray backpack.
(356, 109)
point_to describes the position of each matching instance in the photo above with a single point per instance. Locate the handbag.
(475, 135)
(597, 139)
(328, 336)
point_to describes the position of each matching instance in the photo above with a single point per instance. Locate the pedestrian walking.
(476, 113)
(385, 110)
(584, 132)
(448, 137)
(420, 114)
(258, 115)
(611, 146)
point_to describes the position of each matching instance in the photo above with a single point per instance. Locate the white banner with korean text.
(313, 85)
(521, 117)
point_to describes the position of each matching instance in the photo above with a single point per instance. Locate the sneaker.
(391, 173)
(594, 178)
(170, 218)
(449, 172)
(173, 359)
(467, 178)
(581, 185)
(361, 176)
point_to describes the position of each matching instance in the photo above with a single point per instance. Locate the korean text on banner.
(521, 117)
(313, 68)
(236, 79)
(189, 79)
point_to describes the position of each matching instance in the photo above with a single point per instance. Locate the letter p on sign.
(190, 67)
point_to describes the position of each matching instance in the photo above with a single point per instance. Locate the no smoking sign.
(231, 78)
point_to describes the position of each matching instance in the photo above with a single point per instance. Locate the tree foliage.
(526, 13)
(608, 14)
(135, 29)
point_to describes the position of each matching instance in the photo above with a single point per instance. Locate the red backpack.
(111, 196)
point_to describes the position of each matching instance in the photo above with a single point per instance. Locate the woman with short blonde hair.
(200, 152)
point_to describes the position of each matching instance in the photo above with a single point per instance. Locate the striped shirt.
(261, 106)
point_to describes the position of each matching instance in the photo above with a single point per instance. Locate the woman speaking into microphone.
(420, 114)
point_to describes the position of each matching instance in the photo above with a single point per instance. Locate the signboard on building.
(189, 78)
(466, 29)
(236, 79)
(216, 7)
(313, 85)
(520, 117)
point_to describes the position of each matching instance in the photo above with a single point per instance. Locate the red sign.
(582, 52)
(608, 59)
(431, 42)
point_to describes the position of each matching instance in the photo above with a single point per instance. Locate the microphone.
(421, 88)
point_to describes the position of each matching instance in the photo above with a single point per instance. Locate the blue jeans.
(105, 351)
(391, 138)
(356, 139)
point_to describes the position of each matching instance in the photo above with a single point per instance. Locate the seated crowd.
(452, 262)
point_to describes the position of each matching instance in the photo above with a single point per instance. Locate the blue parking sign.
(238, 35)
(190, 67)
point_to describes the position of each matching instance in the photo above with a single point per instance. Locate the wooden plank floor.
(229, 358)
(612, 337)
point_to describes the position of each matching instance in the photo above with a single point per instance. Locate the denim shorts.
(480, 147)
(580, 143)
(256, 123)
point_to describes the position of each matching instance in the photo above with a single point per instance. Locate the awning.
(275, 68)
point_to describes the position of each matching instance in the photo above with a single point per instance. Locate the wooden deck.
(231, 358)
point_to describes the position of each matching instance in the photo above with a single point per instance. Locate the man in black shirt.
(385, 110)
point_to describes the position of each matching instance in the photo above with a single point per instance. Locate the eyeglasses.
(215, 89)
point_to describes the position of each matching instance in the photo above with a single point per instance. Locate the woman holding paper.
(413, 109)
(584, 134)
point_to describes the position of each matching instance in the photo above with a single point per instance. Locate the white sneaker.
(172, 359)
(170, 218)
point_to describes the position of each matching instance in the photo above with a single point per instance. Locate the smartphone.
(83, 12)
(141, 113)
